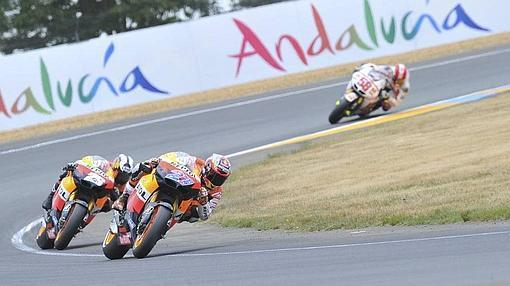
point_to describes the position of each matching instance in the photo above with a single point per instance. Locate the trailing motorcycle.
(361, 99)
(80, 196)
(158, 202)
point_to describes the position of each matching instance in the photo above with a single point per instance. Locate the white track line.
(17, 240)
(233, 105)
(320, 247)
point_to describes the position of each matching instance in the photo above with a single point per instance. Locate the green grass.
(444, 167)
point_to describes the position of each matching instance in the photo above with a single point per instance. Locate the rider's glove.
(152, 162)
(203, 196)
(114, 194)
(69, 167)
(384, 95)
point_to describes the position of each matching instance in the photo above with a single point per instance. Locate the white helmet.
(124, 165)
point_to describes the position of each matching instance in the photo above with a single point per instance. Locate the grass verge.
(244, 90)
(442, 167)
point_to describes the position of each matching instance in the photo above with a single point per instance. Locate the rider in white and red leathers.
(393, 82)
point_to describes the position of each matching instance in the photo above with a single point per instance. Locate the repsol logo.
(183, 168)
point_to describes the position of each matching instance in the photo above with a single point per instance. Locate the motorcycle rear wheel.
(70, 227)
(154, 231)
(112, 249)
(339, 112)
(42, 239)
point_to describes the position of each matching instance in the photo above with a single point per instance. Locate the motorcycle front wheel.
(155, 229)
(70, 227)
(42, 239)
(339, 112)
(112, 248)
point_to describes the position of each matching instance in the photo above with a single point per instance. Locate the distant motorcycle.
(158, 202)
(361, 99)
(79, 197)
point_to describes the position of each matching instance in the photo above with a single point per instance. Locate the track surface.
(202, 254)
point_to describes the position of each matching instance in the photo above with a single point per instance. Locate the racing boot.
(46, 204)
(120, 203)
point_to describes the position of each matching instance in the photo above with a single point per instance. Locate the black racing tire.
(70, 227)
(112, 249)
(154, 231)
(42, 239)
(339, 112)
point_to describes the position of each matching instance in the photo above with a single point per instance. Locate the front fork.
(354, 105)
(145, 216)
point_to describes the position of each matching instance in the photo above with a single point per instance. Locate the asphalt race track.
(201, 254)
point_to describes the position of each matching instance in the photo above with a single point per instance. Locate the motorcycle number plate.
(366, 85)
(180, 177)
(95, 178)
(351, 96)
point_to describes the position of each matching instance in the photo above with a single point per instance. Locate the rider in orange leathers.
(119, 170)
(213, 172)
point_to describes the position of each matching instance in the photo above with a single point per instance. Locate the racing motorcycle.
(361, 99)
(159, 201)
(80, 196)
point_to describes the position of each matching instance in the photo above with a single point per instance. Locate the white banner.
(214, 52)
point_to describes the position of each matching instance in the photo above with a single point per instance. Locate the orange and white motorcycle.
(157, 204)
(80, 196)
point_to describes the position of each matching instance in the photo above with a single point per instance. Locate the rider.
(394, 81)
(119, 170)
(213, 172)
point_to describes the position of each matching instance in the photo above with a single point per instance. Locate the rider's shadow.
(361, 118)
(190, 251)
(187, 251)
(83, 245)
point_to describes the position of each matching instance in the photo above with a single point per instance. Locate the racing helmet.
(123, 164)
(400, 74)
(216, 170)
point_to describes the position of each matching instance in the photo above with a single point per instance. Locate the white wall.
(188, 57)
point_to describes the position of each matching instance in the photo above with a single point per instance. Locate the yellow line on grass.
(349, 127)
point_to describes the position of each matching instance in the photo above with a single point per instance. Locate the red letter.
(322, 36)
(258, 48)
(2, 106)
(295, 45)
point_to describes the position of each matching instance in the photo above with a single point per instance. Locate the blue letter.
(461, 16)
(139, 80)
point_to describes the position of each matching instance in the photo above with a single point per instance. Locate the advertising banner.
(214, 52)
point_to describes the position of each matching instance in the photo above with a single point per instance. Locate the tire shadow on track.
(361, 118)
(79, 246)
(179, 252)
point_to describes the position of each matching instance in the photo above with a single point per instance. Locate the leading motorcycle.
(361, 99)
(158, 202)
(80, 196)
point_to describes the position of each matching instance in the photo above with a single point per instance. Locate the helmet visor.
(216, 179)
